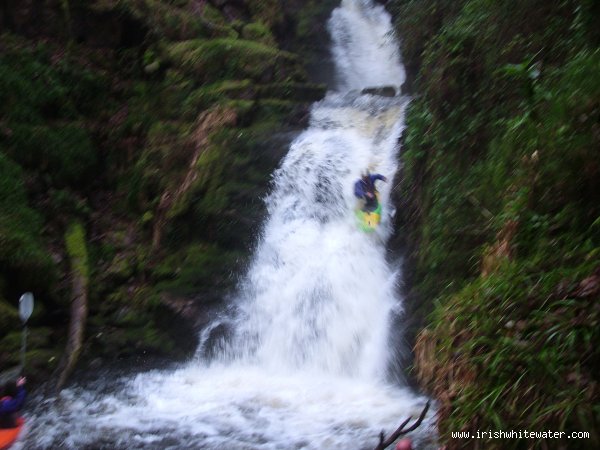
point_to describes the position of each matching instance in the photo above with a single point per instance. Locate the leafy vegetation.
(502, 168)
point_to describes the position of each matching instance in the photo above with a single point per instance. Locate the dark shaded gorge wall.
(156, 126)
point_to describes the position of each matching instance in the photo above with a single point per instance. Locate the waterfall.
(319, 293)
(305, 366)
(364, 48)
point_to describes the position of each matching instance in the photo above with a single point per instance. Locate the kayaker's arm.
(377, 176)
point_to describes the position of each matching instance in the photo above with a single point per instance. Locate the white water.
(306, 365)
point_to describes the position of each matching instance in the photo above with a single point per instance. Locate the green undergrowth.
(502, 175)
(23, 257)
(515, 351)
(172, 20)
(49, 162)
(219, 59)
(192, 270)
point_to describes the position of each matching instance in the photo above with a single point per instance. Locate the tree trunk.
(76, 248)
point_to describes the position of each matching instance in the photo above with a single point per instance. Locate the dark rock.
(382, 91)
(216, 341)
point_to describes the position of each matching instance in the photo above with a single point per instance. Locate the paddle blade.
(25, 306)
(9, 375)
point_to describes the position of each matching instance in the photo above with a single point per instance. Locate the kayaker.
(11, 401)
(364, 188)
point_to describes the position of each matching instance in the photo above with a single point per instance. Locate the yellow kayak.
(369, 220)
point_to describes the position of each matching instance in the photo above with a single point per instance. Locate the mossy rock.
(217, 59)
(165, 157)
(258, 32)
(123, 342)
(238, 89)
(268, 12)
(120, 269)
(194, 268)
(173, 21)
(132, 322)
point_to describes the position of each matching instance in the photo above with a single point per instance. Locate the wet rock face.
(102, 30)
(96, 28)
(108, 30)
(28, 16)
(232, 9)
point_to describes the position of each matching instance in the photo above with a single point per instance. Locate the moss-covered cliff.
(155, 125)
(500, 209)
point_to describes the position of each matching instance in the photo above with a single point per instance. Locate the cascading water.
(320, 292)
(305, 366)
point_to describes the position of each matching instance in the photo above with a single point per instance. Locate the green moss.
(121, 268)
(167, 19)
(268, 12)
(215, 59)
(160, 164)
(258, 32)
(194, 268)
(42, 355)
(77, 249)
(132, 341)
(214, 15)
(208, 95)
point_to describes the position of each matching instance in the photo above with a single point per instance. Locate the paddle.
(25, 310)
